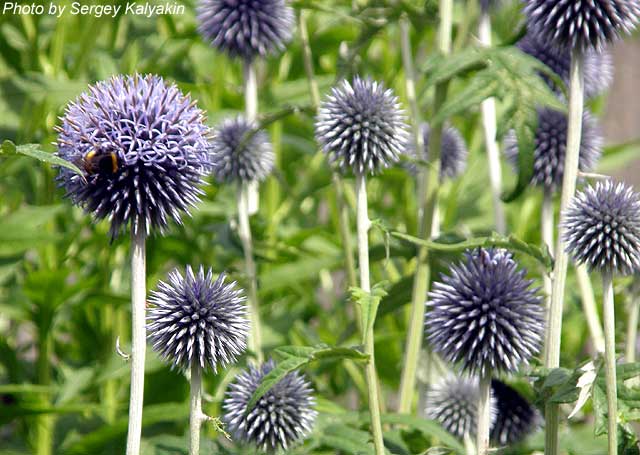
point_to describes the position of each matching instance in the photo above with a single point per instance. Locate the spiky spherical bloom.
(453, 152)
(582, 24)
(361, 126)
(453, 403)
(240, 153)
(551, 145)
(283, 416)
(598, 65)
(515, 417)
(195, 318)
(601, 228)
(485, 315)
(246, 28)
(143, 148)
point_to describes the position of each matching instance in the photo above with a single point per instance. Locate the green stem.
(428, 187)
(138, 338)
(552, 348)
(44, 422)
(244, 231)
(590, 308)
(363, 225)
(610, 360)
(484, 415)
(195, 407)
(488, 108)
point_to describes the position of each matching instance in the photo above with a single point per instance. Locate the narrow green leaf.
(369, 303)
(427, 427)
(34, 151)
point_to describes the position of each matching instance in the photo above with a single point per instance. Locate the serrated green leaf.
(34, 151)
(369, 303)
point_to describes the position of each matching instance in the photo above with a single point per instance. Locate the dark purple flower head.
(484, 315)
(143, 147)
(581, 24)
(453, 153)
(246, 28)
(601, 228)
(453, 403)
(361, 126)
(197, 319)
(239, 153)
(598, 65)
(282, 417)
(515, 417)
(551, 145)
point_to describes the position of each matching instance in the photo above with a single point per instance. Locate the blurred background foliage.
(64, 287)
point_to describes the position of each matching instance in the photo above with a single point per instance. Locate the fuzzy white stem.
(195, 408)
(546, 221)
(484, 415)
(138, 338)
(590, 308)
(610, 360)
(244, 231)
(574, 133)
(363, 225)
(251, 112)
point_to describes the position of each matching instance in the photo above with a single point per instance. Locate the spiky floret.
(196, 319)
(240, 152)
(582, 24)
(551, 145)
(601, 228)
(453, 403)
(246, 28)
(598, 65)
(515, 417)
(453, 153)
(282, 417)
(361, 126)
(154, 139)
(485, 315)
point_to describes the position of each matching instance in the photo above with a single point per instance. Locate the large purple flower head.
(602, 228)
(239, 153)
(453, 152)
(283, 416)
(195, 318)
(246, 28)
(551, 145)
(485, 315)
(143, 147)
(598, 65)
(361, 126)
(582, 24)
(515, 417)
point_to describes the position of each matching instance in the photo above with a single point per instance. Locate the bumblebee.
(97, 161)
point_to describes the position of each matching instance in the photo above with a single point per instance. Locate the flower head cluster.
(453, 152)
(240, 153)
(602, 228)
(551, 144)
(515, 417)
(361, 126)
(484, 315)
(598, 65)
(197, 319)
(143, 147)
(283, 416)
(582, 24)
(246, 28)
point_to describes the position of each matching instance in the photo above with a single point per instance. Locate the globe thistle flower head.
(582, 24)
(246, 28)
(283, 416)
(240, 153)
(196, 319)
(601, 228)
(453, 403)
(484, 315)
(515, 417)
(598, 65)
(142, 145)
(551, 144)
(361, 126)
(453, 153)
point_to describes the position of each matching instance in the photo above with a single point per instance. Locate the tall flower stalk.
(428, 187)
